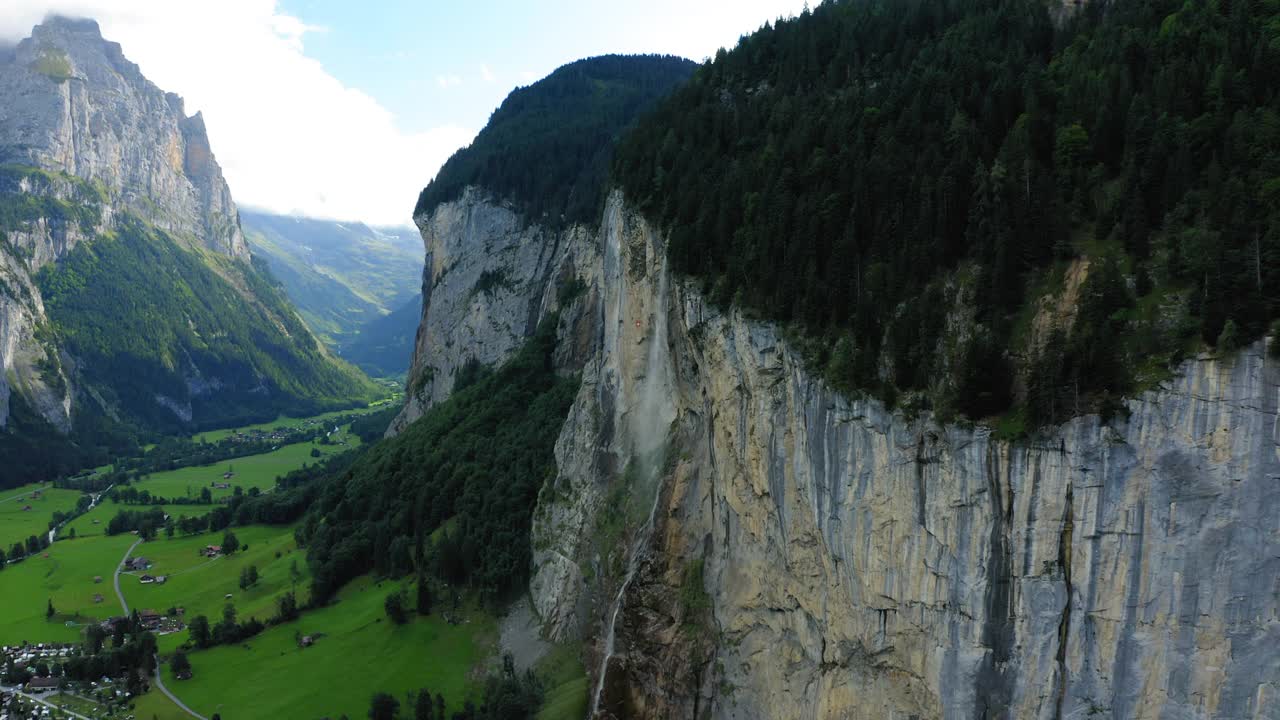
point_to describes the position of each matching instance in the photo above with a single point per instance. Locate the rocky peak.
(76, 105)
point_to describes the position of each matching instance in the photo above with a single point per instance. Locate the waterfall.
(647, 429)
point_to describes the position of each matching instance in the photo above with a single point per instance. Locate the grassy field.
(258, 471)
(84, 526)
(66, 578)
(360, 652)
(16, 524)
(565, 680)
(200, 585)
(154, 705)
(319, 421)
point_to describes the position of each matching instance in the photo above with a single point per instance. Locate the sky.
(345, 110)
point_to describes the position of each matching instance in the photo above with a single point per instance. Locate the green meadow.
(84, 526)
(200, 585)
(320, 422)
(154, 705)
(17, 524)
(565, 680)
(255, 471)
(65, 577)
(359, 651)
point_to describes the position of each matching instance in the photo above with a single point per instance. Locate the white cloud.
(447, 81)
(289, 136)
(486, 73)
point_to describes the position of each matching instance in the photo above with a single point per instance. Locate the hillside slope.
(128, 300)
(341, 276)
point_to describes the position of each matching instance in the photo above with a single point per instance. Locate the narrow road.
(33, 698)
(116, 578)
(159, 677)
(160, 686)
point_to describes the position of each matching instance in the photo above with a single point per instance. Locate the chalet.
(211, 550)
(42, 684)
(221, 486)
(26, 508)
(97, 579)
(307, 641)
(150, 619)
(228, 475)
(147, 579)
(138, 563)
(97, 598)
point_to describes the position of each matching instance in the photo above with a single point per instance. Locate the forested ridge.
(475, 461)
(900, 181)
(139, 312)
(547, 148)
(130, 315)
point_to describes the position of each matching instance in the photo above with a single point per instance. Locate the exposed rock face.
(74, 104)
(490, 278)
(821, 557)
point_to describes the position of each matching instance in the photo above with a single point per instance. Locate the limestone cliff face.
(75, 105)
(490, 277)
(815, 556)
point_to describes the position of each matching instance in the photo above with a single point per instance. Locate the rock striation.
(75, 105)
(818, 556)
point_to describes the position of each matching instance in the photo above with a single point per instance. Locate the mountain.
(383, 346)
(130, 303)
(542, 163)
(926, 369)
(341, 276)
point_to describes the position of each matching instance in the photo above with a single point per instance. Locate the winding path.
(159, 675)
(46, 703)
(160, 686)
(116, 578)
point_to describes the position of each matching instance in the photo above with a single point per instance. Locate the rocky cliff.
(128, 298)
(75, 105)
(733, 539)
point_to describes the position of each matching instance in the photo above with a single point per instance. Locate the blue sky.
(345, 110)
(427, 61)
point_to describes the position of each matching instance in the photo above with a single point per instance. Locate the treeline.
(508, 695)
(34, 544)
(874, 172)
(547, 148)
(476, 460)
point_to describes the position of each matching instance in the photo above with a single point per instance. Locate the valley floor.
(356, 649)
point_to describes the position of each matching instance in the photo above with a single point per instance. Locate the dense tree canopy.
(547, 147)
(873, 169)
(476, 460)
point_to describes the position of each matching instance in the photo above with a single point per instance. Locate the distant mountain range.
(357, 287)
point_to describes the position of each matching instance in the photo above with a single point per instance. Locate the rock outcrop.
(813, 555)
(75, 105)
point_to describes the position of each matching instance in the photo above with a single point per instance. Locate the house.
(42, 684)
(35, 494)
(228, 475)
(26, 508)
(307, 641)
(211, 550)
(97, 579)
(221, 486)
(150, 619)
(160, 579)
(138, 563)
(97, 598)
(146, 579)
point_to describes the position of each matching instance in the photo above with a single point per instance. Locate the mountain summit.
(129, 302)
(75, 105)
